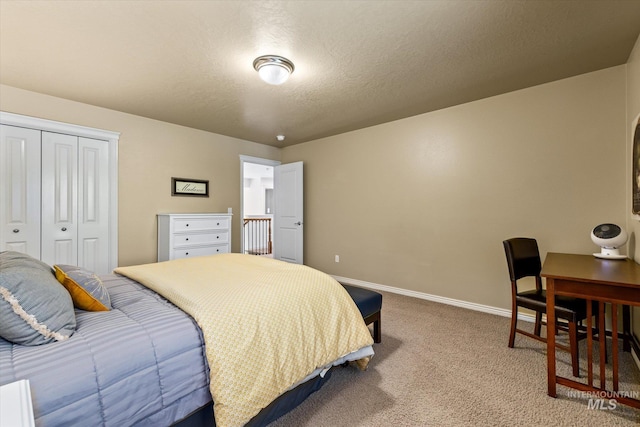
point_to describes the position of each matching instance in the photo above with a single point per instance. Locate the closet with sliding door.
(58, 192)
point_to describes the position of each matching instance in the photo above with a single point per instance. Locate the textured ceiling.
(358, 63)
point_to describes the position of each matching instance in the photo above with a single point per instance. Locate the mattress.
(141, 363)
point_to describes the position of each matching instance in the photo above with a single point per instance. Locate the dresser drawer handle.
(217, 237)
(187, 225)
(187, 239)
(217, 223)
(15, 230)
(187, 253)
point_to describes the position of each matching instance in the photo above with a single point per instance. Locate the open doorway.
(257, 177)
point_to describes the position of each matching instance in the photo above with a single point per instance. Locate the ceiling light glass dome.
(274, 70)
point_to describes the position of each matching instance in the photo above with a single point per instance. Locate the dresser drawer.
(202, 251)
(198, 224)
(181, 240)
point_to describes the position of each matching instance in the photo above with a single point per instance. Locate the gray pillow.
(34, 307)
(18, 259)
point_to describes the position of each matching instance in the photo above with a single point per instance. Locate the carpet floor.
(440, 365)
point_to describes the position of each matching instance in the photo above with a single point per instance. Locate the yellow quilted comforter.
(267, 324)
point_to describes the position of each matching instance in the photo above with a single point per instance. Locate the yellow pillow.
(86, 289)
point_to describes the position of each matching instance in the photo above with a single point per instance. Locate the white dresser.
(189, 235)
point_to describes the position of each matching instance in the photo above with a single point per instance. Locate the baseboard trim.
(635, 344)
(435, 298)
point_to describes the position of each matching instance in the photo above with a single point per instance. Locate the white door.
(93, 205)
(59, 192)
(288, 219)
(75, 201)
(20, 190)
(59, 199)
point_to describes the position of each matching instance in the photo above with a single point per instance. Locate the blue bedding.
(141, 363)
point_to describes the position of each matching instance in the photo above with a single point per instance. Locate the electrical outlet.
(337, 258)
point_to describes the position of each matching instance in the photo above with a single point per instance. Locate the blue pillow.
(34, 307)
(86, 289)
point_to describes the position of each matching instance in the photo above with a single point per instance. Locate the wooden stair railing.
(257, 236)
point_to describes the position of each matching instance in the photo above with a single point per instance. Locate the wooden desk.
(606, 281)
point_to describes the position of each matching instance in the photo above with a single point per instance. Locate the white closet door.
(59, 199)
(20, 190)
(93, 205)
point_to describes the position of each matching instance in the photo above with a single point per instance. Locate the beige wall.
(633, 109)
(421, 203)
(425, 202)
(150, 153)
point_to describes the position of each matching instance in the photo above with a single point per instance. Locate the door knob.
(298, 223)
(64, 228)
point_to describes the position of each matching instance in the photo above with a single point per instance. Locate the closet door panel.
(20, 190)
(59, 198)
(93, 205)
(59, 192)
(64, 252)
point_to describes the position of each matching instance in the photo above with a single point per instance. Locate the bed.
(150, 359)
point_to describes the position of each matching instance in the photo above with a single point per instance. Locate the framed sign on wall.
(189, 187)
(635, 184)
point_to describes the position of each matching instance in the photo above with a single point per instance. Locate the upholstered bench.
(369, 303)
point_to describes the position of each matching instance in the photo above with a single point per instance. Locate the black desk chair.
(523, 259)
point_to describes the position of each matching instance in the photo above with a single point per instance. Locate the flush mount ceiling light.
(273, 69)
